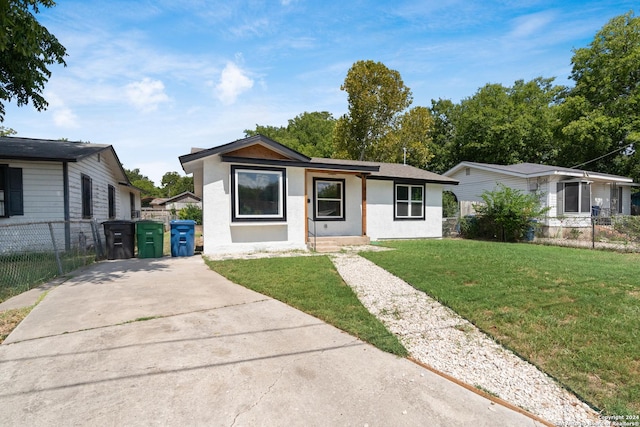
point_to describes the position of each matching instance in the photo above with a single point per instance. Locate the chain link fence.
(33, 253)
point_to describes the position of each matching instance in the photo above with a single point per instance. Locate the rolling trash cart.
(120, 239)
(182, 237)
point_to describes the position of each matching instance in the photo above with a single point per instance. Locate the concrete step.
(335, 243)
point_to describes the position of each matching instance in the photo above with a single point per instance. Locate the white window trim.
(281, 215)
(409, 201)
(316, 214)
(564, 198)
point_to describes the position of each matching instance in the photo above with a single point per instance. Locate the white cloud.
(531, 25)
(65, 118)
(146, 94)
(233, 82)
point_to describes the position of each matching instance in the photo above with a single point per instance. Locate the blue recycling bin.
(182, 237)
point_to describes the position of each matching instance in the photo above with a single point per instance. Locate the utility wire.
(602, 157)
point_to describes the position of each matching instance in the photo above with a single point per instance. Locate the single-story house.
(573, 195)
(259, 195)
(177, 202)
(50, 180)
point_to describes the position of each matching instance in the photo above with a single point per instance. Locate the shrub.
(508, 214)
(449, 205)
(191, 212)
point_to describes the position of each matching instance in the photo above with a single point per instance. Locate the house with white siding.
(259, 195)
(573, 195)
(50, 180)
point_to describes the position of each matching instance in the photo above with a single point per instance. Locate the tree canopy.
(27, 49)
(376, 97)
(600, 118)
(308, 133)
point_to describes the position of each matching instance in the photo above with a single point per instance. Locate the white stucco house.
(50, 180)
(573, 195)
(259, 195)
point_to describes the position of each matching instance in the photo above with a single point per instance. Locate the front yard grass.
(574, 313)
(311, 284)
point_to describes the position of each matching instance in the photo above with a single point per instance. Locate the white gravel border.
(438, 337)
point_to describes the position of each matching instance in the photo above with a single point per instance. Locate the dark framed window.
(112, 201)
(577, 197)
(87, 197)
(328, 196)
(132, 204)
(258, 194)
(11, 191)
(409, 201)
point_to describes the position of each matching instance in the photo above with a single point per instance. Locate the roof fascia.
(298, 164)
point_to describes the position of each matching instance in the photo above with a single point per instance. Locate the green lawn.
(574, 313)
(313, 285)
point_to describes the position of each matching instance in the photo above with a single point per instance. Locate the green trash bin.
(150, 236)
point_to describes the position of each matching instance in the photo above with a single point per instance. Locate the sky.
(155, 78)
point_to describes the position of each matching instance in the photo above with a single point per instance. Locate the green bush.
(629, 225)
(449, 205)
(507, 214)
(191, 212)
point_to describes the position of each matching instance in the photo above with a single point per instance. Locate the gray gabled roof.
(46, 149)
(51, 150)
(392, 171)
(532, 170)
(375, 170)
(241, 143)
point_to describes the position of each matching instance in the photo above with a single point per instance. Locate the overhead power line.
(603, 156)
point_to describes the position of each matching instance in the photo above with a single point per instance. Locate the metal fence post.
(55, 249)
(593, 232)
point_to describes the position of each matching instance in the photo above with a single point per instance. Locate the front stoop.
(335, 243)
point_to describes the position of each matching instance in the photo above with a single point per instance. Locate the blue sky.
(155, 78)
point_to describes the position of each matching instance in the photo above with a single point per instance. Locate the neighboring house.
(49, 180)
(258, 194)
(573, 195)
(178, 202)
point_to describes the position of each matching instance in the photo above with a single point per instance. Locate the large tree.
(376, 96)
(308, 133)
(410, 140)
(26, 50)
(173, 184)
(600, 118)
(498, 124)
(142, 182)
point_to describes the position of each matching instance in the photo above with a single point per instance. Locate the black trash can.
(183, 237)
(120, 236)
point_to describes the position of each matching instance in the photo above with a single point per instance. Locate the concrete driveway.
(169, 342)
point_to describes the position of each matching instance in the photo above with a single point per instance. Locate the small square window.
(409, 203)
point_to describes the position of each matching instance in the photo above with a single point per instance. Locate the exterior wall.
(123, 205)
(182, 204)
(352, 225)
(380, 213)
(471, 186)
(221, 235)
(100, 168)
(42, 192)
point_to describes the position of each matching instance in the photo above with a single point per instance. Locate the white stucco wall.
(380, 213)
(221, 235)
(352, 224)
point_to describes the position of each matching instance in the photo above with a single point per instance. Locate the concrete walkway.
(169, 342)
